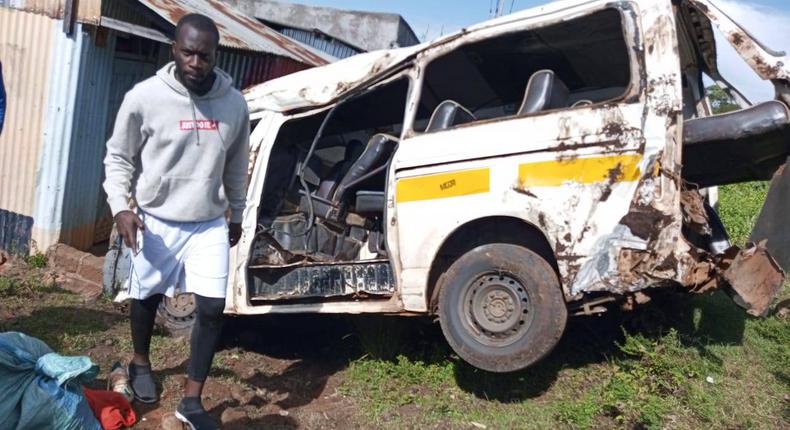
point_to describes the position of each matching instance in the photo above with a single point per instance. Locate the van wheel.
(501, 307)
(177, 315)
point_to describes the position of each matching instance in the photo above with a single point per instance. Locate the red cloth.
(111, 408)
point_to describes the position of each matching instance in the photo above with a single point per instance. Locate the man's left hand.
(234, 233)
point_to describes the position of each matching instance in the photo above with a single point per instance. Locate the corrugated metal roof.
(368, 31)
(238, 30)
(335, 47)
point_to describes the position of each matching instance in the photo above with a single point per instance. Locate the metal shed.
(67, 66)
(339, 32)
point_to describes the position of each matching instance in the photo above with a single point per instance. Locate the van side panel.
(601, 182)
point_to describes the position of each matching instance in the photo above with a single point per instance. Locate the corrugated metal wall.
(264, 68)
(249, 69)
(85, 167)
(53, 163)
(25, 53)
(87, 10)
(235, 64)
(329, 45)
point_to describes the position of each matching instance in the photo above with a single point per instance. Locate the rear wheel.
(177, 314)
(501, 307)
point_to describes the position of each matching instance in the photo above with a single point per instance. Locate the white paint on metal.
(53, 164)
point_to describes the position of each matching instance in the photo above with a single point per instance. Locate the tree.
(720, 101)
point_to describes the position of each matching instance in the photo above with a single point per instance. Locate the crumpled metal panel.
(767, 64)
(317, 87)
(238, 30)
(755, 279)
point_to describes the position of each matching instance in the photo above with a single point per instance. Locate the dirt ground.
(273, 373)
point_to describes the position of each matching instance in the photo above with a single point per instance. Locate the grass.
(682, 362)
(37, 260)
(739, 206)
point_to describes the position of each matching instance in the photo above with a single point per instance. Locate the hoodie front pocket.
(149, 192)
(198, 198)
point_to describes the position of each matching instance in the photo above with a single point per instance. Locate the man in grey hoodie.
(179, 151)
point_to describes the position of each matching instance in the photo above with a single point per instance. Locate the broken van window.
(347, 135)
(488, 78)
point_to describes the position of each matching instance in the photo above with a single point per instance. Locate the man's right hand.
(128, 222)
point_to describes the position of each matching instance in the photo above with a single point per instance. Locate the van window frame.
(629, 23)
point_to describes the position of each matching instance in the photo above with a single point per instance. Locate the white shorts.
(188, 257)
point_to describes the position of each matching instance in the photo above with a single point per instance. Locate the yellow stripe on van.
(618, 168)
(442, 185)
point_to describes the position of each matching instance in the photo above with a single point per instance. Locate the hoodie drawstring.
(194, 119)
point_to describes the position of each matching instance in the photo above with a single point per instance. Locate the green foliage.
(655, 377)
(16, 288)
(720, 101)
(739, 206)
(37, 260)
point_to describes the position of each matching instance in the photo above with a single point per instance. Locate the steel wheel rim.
(496, 309)
(181, 307)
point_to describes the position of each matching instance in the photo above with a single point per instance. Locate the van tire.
(177, 315)
(501, 307)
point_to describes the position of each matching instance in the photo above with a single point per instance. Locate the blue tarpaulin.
(40, 389)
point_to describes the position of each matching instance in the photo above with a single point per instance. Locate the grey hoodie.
(182, 157)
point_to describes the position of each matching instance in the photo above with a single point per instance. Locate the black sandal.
(142, 383)
(190, 411)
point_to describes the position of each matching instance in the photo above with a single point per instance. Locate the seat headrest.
(449, 114)
(377, 152)
(544, 91)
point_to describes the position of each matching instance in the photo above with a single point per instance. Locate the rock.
(231, 415)
(65, 257)
(170, 422)
(89, 291)
(241, 394)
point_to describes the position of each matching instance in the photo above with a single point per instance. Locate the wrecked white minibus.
(506, 177)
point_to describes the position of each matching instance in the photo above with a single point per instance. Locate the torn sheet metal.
(754, 278)
(766, 63)
(238, 30)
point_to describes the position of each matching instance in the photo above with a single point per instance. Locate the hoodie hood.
(222, 83)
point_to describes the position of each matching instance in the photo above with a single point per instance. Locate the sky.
(768, 20)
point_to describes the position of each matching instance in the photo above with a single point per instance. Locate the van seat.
(448, 114)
